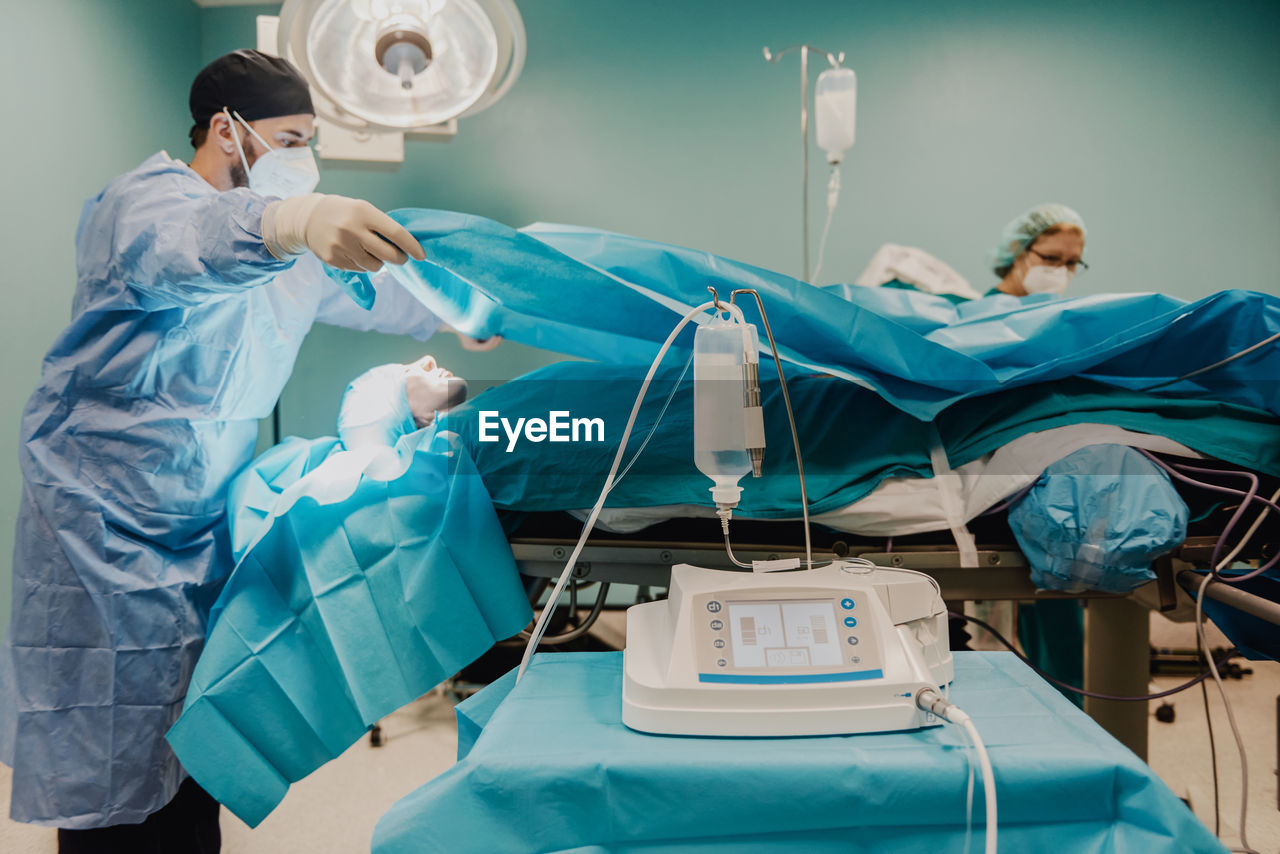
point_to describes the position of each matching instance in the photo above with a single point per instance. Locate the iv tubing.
(540, 629)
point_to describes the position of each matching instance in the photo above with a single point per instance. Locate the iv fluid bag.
(719, 424)
(836, 102)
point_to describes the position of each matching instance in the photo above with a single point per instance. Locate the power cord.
(1214, 664)
(1223, 659)
(1213, 760)
(540, 627)
(1237, 355)
(929, 700)
(1202, 644)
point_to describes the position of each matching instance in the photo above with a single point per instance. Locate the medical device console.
(842, 648)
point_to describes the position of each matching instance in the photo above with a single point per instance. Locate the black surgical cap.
(254, 84)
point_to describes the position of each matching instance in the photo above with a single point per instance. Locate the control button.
(717, 625)
(847, 604)
(719, 644)
(855, 659)
(714, 607)
(722, 663)
(852, 639)
(850, 621)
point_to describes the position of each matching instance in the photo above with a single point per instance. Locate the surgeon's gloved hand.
(431, 389)
(349, 234)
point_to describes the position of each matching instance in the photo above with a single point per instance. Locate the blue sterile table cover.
(614, 298)
(547, 766)
(364, 579)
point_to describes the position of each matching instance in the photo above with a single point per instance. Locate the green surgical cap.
(1020, 233)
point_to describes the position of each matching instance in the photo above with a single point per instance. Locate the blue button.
(847, 604)
(850, 621)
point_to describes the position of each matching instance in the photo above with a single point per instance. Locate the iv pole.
(835, 60)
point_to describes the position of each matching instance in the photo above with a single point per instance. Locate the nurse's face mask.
(1046, 280)
(283, 172)
(1053, 261)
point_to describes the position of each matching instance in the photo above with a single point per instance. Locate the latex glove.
(431, 389)
(349, 234)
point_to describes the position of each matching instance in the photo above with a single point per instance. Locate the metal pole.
(804, 155)
(1242, 600)
(835, 60)
(1117, 661)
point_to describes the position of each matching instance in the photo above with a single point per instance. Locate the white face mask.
(283, 172)
(1042, 279)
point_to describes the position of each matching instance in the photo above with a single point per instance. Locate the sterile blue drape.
(851, 438)
(366, 574)
(612, 297)
(366, 578)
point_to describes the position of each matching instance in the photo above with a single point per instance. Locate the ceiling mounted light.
(402, 65)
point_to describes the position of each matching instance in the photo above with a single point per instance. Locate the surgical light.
(402, 65)
(404, 52)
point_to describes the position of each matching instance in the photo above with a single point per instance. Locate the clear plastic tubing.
(719, 421)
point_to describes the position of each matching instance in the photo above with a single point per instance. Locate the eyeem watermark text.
(558, 426)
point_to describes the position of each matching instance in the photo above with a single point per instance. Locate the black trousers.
(188, 824)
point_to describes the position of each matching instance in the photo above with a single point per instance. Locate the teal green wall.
(1158, 121)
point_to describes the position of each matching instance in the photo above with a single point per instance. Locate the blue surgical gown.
(184, 331)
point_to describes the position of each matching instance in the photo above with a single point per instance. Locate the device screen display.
(791, 633)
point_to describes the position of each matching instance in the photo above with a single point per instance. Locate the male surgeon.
(196, 285)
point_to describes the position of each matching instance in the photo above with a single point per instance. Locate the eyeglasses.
(1059, 261)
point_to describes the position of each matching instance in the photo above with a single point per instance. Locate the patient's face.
(431, 389)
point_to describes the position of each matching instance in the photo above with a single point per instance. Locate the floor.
(333, 810)
(336, 808)
(1179, 751)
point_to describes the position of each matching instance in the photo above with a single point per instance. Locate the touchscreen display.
(792, 633)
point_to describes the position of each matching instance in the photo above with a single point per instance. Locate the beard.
(239, 178)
